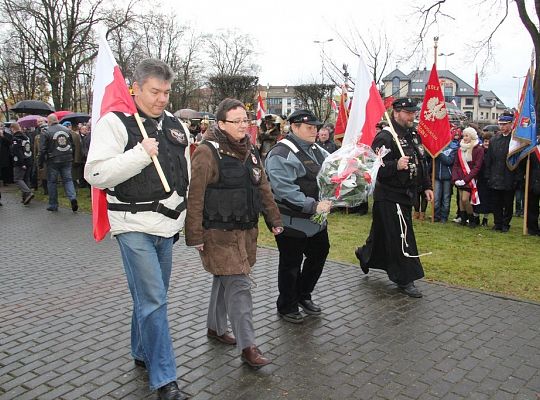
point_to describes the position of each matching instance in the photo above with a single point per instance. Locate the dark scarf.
(240, 148)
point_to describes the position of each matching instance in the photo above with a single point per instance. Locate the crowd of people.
(44, 155)
(221, 181)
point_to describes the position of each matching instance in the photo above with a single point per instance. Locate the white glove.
(460, 183)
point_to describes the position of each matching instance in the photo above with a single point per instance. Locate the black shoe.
(364, 269)
(496, 228)
(51, 208)
(171, 392)
(139, 363)
(74, 205)
(293, 317)
(505, 229)
(411, 290)
(310, 307)
(27, 198)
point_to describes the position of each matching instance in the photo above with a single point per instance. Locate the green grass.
(475, 258)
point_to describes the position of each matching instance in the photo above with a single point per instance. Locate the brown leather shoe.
(254, 358)
(226, 338)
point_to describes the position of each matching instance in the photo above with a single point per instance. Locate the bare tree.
(430, 14)
(59, 35)
(232, 72)
(241, 87)
(19, 77)
(231, 53)
(375, 48)
(317, 98)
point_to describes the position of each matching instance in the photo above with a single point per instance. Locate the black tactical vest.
(172, 139)
(234, 201)
(308, 182)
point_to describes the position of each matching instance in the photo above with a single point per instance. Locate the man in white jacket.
(144, 218)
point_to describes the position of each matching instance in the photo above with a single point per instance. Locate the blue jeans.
(442, 196)
(64, 170)
(148, 262)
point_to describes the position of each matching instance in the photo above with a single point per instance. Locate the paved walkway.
(65, 317)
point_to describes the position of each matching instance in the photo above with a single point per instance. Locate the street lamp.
(519, 78)
(322, 42)
(445, 57)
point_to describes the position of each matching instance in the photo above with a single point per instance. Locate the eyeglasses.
(238, 122)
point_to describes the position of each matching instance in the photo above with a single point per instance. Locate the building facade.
(483, 108)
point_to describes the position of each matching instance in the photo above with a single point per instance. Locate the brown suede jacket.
(225, 252)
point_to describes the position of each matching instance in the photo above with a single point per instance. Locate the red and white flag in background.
(110, 93)
(261, 113)
(343, 115)
(366, 110)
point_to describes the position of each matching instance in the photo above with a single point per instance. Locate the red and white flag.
(366, 110)
(433, 126)
(110, 93)
(343, 116)
(261, 113)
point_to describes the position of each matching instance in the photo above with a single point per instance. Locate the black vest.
(59, 146)
(146, 186)
(308, 182)
(234, 201)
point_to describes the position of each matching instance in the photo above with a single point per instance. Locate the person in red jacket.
(467, 164)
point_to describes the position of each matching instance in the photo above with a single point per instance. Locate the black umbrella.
(37, 107)
(76, 118)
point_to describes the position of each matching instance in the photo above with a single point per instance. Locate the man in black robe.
(391, 245)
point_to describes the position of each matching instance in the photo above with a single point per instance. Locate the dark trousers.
(297, 281)
(503, 202)
(533, 213)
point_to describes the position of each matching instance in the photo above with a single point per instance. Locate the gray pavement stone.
(65, 315)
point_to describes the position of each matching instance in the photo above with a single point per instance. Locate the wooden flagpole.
(394, 134)
(436, 41)
(154, 157)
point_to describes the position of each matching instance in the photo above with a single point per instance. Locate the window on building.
(395, 86)
(492, 115)
(468, 102)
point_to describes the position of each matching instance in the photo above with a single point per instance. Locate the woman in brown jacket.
(228, 191)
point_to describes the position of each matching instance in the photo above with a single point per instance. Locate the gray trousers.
(231, 296)
(21, 177)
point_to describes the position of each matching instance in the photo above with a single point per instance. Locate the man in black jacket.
(500, 178)
(21, 151)
(391, 245)
(57, 152)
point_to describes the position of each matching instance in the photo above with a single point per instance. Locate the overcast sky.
(284, 33)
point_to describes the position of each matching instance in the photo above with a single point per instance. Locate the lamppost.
(519, 78)
(321, 43)
(445, 57)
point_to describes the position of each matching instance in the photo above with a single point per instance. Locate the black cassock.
(391, 237)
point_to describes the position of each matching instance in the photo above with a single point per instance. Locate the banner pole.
(154, 158)
(526, 194)
(433, 186)
(394, 134)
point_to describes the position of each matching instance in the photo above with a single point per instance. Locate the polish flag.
(261, 113)
(110, 93)
(366, 110)
(343, 116)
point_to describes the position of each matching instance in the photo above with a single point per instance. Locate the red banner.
(434, 127)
